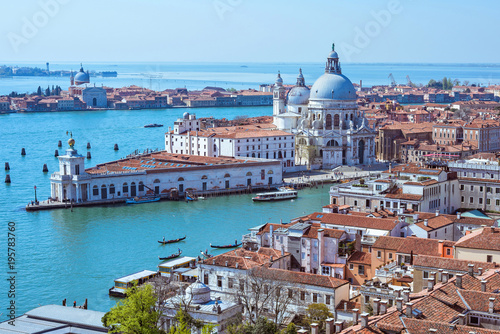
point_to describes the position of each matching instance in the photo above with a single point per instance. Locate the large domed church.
(328, 126)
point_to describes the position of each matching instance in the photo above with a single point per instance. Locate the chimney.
(440, 275)
(271, 237)
(314, 328)
(459, 215)
(479, 271)
(437, 212)
(345, 306)
(271, 259)
(355, 316)
(339, 326)
(406, 295)
(458, 280)
(236, 265)
(364, 320)
(470, 267)
(441, 248)
(426, 222)
(492, 305)
(409, 310)
(483, 285)
(376, 306)
(461, 319)
(445, 277)
(282, 250)
(227, 263)
(399, 304)
(430, 284)
(383, 307)
(330, 327)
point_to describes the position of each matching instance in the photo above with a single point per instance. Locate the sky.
(364, 31)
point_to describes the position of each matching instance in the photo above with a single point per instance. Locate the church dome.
(198, 293)
(82, 77)
(298, 95)
(333, 54)
(333, 86)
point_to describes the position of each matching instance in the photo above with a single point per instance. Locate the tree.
(137, 314)
(318, 313)
(47, 91)
(182, 325)
(290, 329)
(466, 82)
(264, 290)
(39, 91)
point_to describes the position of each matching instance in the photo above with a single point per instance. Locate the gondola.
(227, 246)
(164, 242)
(205, 254)
(173, 256)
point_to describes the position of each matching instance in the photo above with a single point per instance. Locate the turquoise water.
(76, 255)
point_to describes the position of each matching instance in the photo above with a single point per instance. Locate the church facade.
(329, 128)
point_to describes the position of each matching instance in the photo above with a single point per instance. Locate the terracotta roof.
(435, 222)
(354, 221)
(392, 243)
(450, 264)
(360, 257)
(419, 246)
(486, 238)
(420, 326)
(302, 278)
(479, 301)
(245, 259)
(350, 306)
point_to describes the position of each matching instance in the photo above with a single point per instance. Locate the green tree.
(290, 329)
(39, 91)
(137, 314)
(318, 313)
(47, 91)
(264, 326)
(183, 324)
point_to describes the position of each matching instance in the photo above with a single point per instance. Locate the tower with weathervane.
(70, 183)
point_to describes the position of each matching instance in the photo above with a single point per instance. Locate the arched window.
(270, 172)
(332, 143)
(249, 174)
(95, 191)
(125, 188)
(253, 155)
(336, 121)
(227, 175)
(111, 188)
(156, 181)
(180, 179)
(280, 155)
(94, 102)
(204, 177)
(141, 186)
(104, 192)
(352, 117)
(328, 124)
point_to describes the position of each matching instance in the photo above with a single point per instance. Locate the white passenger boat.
(282, 194)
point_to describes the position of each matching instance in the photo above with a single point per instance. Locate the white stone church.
(329, 129)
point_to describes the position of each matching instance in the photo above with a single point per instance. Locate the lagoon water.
(160, 76)
(76, 255)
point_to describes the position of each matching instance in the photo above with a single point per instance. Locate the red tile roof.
(353, 221)
(486, 238)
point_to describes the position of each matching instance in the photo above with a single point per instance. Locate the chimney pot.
(458, 280)
(470, 267)
(339, 325)
(459, 215)
(330, 327)
(426, 222)
(406, 295)
(492, 305)
(461, 319)
(479, 271)
(383, 307)
(409, 310)
(432, 330)
(355, 316)
(399, 304)
(314, 328)
(364, 320)
(376, 306)
(483, 285)
(437, 212)
(440, 275)
(445, 277)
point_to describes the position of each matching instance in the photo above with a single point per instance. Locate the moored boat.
(139, 200)
(164, 242)
(123, 283)
(205, 254)
(282, 194)
(173, 256)
(236, 244)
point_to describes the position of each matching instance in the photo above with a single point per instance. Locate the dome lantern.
(279, 80)
(332, 62)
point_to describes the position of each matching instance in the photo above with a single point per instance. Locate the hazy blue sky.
(250, 30)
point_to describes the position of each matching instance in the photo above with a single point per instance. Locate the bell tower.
(278, 96)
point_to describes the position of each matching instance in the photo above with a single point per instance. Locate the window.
(219, 281)
(488, 201)
(95, 191)
(481, 189)
(497, 190)
(325, 270)
(489, 258)
(125, 188)
(351, 266)
(361, 269)
(315, 297)
(290, 293)
(379, 254)
(426, 274)
(448, 251)
(367, 299)
(480, 200)
(205, 279)
(471, 188)
(230, 282)
(471, 200)
(327, 299)
(302, 295)
(497, 202)
(390, 255)
(242, 285)
(462, 199)
(462, 187)
(474, 320)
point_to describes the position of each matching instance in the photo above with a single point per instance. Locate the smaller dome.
(185, 115)
(333, 54)
(279, 80)
(198, 292)
(299, 95)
